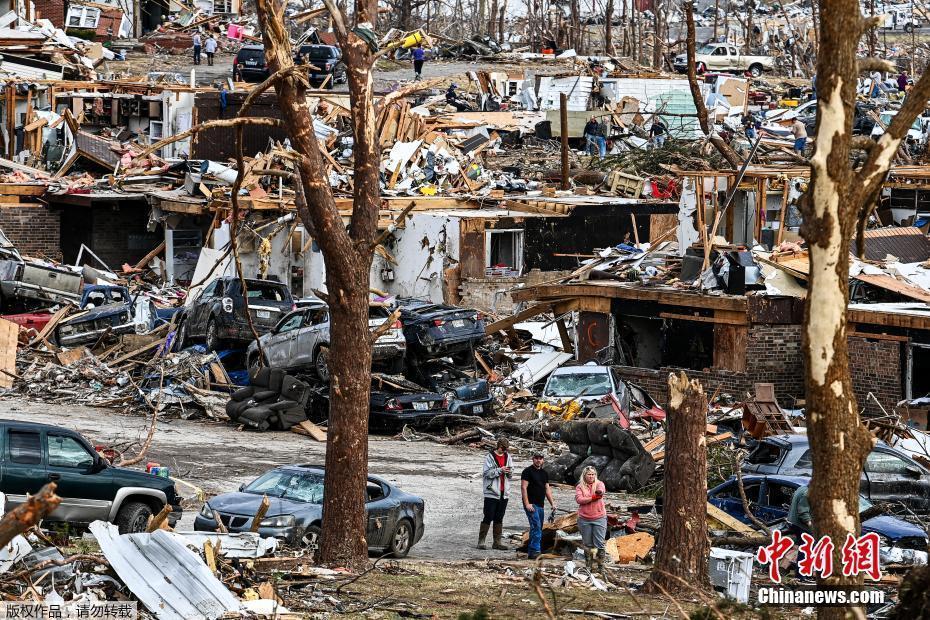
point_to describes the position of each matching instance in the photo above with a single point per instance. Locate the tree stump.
(683, 550)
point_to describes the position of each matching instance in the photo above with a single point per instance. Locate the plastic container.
(413, 39)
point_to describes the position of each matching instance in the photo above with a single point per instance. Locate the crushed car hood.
(247, 504)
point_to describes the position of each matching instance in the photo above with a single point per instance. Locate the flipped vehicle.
(889, 475)
(769, 500)
(300, 340)
(218, 313)
(90, 488)
(725, 57)
(394, 402)
(395, 518)
(439, 330)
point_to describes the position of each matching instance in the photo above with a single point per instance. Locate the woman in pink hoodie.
(592, 517)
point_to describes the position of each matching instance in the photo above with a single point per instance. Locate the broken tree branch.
(29, 513)
(385, 326)
(260, 513)
(158, 519)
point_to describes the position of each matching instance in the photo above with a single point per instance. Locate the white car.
(724, 57)
(917, 134)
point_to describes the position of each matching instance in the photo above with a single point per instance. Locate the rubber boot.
(498, 532)
(482, 535)
(599, 562)
(589, 558)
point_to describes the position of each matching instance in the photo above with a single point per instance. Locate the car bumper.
(253, 75)
(397, 419)
(287, 534)
(175, 515)
(480, 407)
(92, 336)
(451, 344)
(680, 68)
(388, 351)
(241, 332)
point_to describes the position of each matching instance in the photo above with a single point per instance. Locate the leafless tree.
(839, 199)
(347, 253)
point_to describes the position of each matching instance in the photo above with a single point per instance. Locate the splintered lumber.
(9, 343)
(714, 514)
(260, 513)
(52, 323)
(630, 548)
(29, 513)
(66, 358)
(309, 429)
(131, 354)
(159, 521)
(148, 257)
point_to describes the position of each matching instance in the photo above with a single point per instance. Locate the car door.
(280, 343)
(718, 58)
(381, 514)
(196, 321)
(733, 59)
(86, 492)
(23, 464)
(893, 479)
(314, 332)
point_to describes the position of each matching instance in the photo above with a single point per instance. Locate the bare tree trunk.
(492, 20)
(749, 37)
(609, 28)
(502, 13)
(684, 549)
(574, 35)
(716, 139)
(716, 17)
(347, 255)
(840, 197)
(482, 16)
(657, 34)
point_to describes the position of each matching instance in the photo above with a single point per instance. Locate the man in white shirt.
(196, 42)
(210, 48)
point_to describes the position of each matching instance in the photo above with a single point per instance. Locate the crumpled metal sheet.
(171, 581)
(234, 545)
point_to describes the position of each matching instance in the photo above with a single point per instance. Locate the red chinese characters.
(861, 556)
(771, 554)
(815, 557)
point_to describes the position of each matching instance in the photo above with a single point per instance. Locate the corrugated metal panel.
(32, 73)
(908, 245)
(219, 144)
(167, 577)
(578, 89)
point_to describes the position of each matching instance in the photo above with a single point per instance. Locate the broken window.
(67, 452)
(504, 252)
(266, 291)
(885, 463)
(764, 454)
(918, 370)
(222, 6)
(83, 17)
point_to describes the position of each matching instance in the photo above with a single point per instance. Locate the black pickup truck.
(91, 489)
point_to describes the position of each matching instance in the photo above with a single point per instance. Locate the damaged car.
(439, 330)
(465, 393)
(219, 314)
(300, 340)
(889, 476)
(107, 310)
(769, 500)
(394, 518)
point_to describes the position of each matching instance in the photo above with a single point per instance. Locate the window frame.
(9, 445)
(48, 449)
(520, 236)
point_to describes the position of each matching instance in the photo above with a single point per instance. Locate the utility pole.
(563, 127)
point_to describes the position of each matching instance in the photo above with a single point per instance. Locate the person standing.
(592, 517)
(498, 467)
(419, 54)
(209, 47)
(902, 81)
(224, 102)
(657, 133)
(594, 137)
(197, 45)
(534, 483)
(799, 514)
(799, 131)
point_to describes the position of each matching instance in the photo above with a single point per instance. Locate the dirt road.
(218, 458)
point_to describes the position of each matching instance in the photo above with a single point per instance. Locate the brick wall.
(112, 228)
(35, 231)
(52, 10)
(773, 355)
(876, 366)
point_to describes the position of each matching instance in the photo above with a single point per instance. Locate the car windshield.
(321, 52)
(578, 384)
(301, 487)
(707, 49)
(267, 291)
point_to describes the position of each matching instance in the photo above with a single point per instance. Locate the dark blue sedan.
(769, 499)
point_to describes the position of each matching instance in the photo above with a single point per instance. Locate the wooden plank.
(52, 323)
(618, 291)
(630, 548)
(728, 522)
(218, 373)
(9, 343)
(654, 443)
(701, 319)
(66, 358)
(309, 429)
(503, 324)
(23, 189)
(131, 354)
(892, 337)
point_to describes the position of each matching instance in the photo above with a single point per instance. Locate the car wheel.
(321, 363)
(310, 540)
(908, 28)
(755, 70)
(180, 339)
(401, 539)
(133, 517)
(213, 339)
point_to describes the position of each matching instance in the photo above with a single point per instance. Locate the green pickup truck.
(91, 489)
